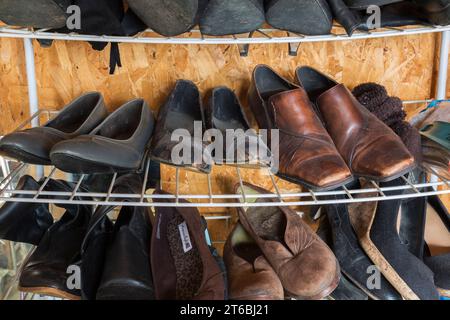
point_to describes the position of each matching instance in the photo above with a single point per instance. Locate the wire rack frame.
(438, 186)
(260, 36)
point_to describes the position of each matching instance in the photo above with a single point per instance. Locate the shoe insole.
(436, 234)
(71, 119)
(123, 124)
(270, 84)
(188, 265)
(248, 251)
(268, 222)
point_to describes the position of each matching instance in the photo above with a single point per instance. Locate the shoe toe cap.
(384, 159)
(313, 274)
(28, 146)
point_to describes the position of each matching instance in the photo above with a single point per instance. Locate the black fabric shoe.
(33, 145)
(232, 17)
(104, 17)
(118, 144)
(127, 273)
(46, 271)
(307, 17)
(36, 13)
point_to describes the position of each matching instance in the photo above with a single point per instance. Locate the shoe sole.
(286, 15)
(169, 22)
(77, 165)
(361, 287)
(362, 228)
(48, 291)
(323, 293)
(316, 188)
(232, 17)
(36, 13)
(23, 156)
(388, 178)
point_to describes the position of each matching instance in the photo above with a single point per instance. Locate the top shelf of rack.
(261, 36)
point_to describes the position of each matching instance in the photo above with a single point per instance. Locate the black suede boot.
(384, 236)
(353, 260)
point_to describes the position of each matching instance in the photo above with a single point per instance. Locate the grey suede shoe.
(36, 13)
(33, 145)
(232, 17)
(118, 144)
(308, 17)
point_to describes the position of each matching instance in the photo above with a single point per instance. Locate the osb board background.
(405, 65)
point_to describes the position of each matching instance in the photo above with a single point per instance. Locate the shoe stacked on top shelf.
(218, 18)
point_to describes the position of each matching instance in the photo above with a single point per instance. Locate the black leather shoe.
(98, 236)
(232, 17)
(169, 17)
(364, 4)
(436, 11)
(182, 109)
(47, 270)
(118, 144)
(33, 145)
(398, 14)
(36, 13)
(127, 272)
(353, 260)
(25, 222)
(308, 17)
(224, 112)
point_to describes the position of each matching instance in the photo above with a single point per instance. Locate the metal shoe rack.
(437, 185)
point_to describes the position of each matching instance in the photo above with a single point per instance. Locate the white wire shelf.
(375, 192)
(261, 36)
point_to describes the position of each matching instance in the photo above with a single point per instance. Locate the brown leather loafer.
(370, 148)
(305, 265)
(307, 154)
(250, 276)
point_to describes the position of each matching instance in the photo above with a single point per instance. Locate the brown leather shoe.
(307, 154)
(370, 148)
(182, 263)
(305, 265)
(250, 276)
